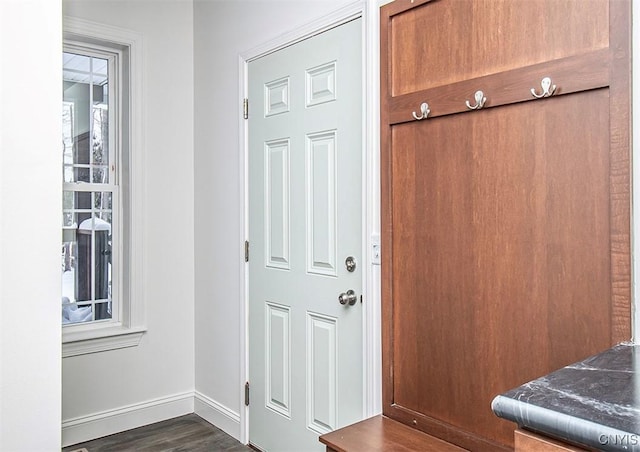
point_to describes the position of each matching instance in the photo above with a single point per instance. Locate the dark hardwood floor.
(188, 433)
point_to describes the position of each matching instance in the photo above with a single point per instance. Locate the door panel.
(277, 187)
(305, 219)
(278, 358)
(321, 204)
(322, 402)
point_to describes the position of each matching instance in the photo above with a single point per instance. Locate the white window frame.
(128, 324)
(114, 57)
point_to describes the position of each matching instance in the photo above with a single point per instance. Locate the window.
(90, 228)
(102, 181)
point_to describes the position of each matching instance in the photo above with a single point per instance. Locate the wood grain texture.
(386, 209)
(505, 231)
(188, 433)
(620, 143)
(570, 75)
(530, 442)
(381, 434)
(500, 251)
(443, 42)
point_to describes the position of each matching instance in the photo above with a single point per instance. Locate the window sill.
(76, 343)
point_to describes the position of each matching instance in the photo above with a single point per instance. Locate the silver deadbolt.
(350, 263)
(349, 297)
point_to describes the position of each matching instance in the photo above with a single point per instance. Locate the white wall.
(30, 95)
(224, 30)
(121, 389)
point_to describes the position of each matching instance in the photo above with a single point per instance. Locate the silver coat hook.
(424, 111)
(547, 89)
(480, 100)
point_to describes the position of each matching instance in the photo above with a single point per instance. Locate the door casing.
(371, 350)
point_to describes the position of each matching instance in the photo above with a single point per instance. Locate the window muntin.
(126, 164)
(90, 227)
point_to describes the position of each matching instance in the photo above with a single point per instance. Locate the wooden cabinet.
(505, 228)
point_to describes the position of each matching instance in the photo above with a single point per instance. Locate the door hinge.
(246, 393)
(246, 251)
(245, 108)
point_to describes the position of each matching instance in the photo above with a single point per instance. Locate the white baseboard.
(105, 423)
(217, 414)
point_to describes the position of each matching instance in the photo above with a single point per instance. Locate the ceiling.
(84, 69)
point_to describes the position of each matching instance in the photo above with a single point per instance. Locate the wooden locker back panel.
(442, 42)
(501, 253)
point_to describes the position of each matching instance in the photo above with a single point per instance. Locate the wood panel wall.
(506, 230)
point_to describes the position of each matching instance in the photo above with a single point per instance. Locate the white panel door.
(305, 220)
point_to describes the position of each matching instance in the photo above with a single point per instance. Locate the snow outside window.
(90, 231)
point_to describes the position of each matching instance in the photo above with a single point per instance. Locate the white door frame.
(371, 314)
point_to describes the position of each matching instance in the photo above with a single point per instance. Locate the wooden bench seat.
(380, 433)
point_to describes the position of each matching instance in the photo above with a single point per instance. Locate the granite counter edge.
(563, 426)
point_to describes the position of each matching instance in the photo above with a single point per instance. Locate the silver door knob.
(349, 297)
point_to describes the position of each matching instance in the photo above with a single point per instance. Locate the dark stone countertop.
(594, 403)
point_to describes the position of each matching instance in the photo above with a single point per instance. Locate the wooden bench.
(380, 433)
